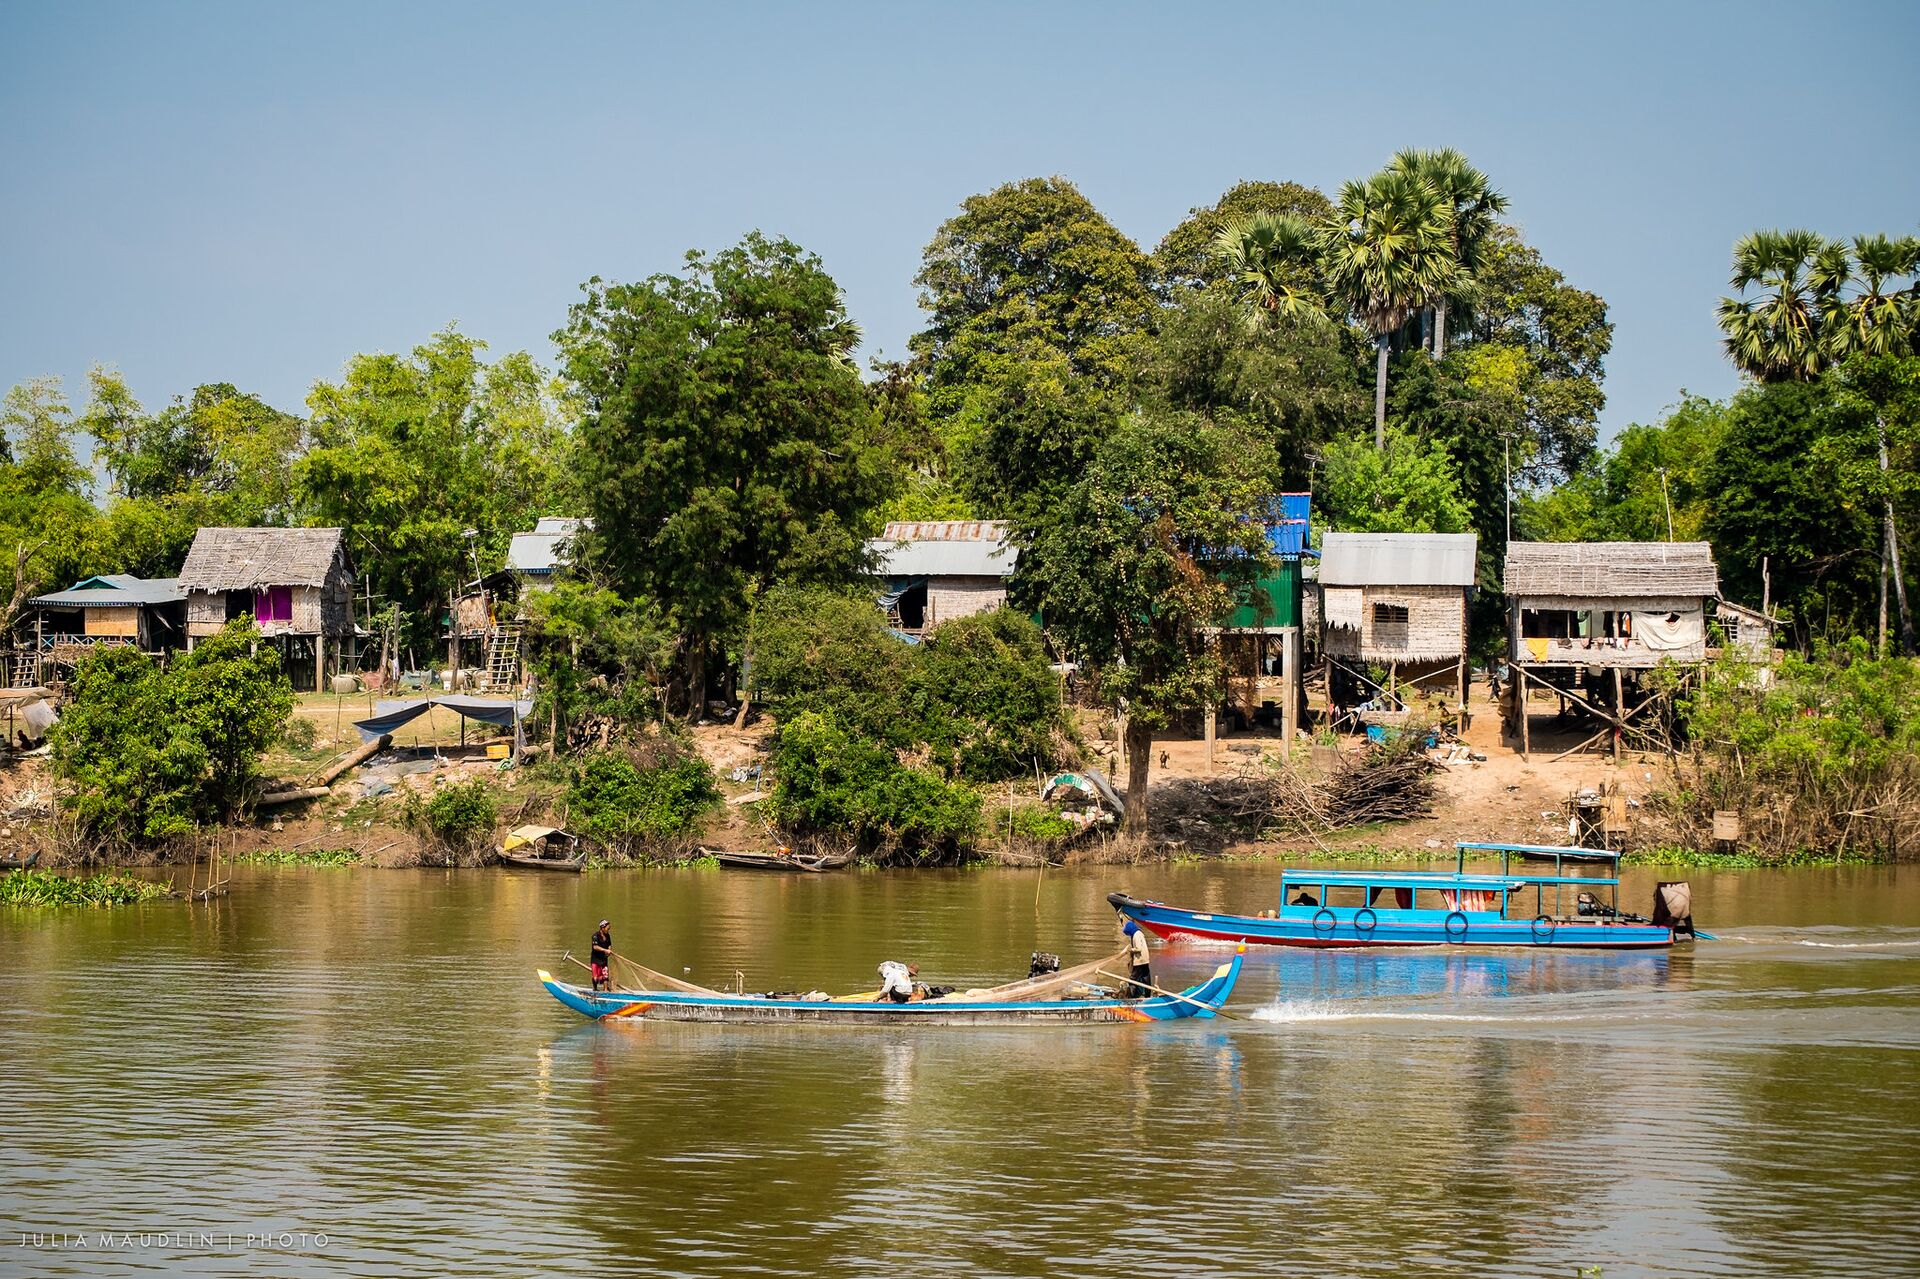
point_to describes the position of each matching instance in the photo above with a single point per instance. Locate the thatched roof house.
(291, 581)
(1626, 604)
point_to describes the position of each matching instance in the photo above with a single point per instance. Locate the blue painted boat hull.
(1345, 927)
(1199, 1001)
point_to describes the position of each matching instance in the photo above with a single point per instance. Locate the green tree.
(39, 429)
(411, 452)
(1026, 430)
(591, 650)
(1784, 332)
(1407, 486)
(1271, 264)
(984, 697)
(150, 753)
(1649, 486)
(1474, 205)
(727, 441)
(1188, 257)
(1031, 262)
(1777, 502)
(1388, 250)
(1296, 385)
(1148, 552)
(1881, 316)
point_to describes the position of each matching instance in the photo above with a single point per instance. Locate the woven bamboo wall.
(1435, 629)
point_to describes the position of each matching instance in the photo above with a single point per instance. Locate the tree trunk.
(1139, 758)
(1380, 393)
(1440, 330)
(746, 689)
(1892, 536)
(696, 677)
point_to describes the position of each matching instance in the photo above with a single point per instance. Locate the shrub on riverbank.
(44, 888)
(976, 699)
(642, 800)
(149, 753)
(1820, 756)
(832, 783)
(458, 817)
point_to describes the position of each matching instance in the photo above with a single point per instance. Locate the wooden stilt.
(1619, 711)
(1520, 709)
(1212, 718)
(1291, 699)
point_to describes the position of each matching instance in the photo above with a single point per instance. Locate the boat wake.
(1299, 1011)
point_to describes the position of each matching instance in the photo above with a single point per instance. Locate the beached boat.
(780, 860)
(1054, 998)
(542, 848)
(1441, 908)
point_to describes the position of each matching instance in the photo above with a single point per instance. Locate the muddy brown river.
(353, 1072)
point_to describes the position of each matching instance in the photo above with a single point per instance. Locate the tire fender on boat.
(1333, 920)
(1541, 938)
(1364, 920)
(1455, 934)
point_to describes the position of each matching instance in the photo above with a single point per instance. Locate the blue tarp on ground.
(388, 716)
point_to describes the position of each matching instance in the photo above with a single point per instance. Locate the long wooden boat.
(1327, 908)
(542, 848)
(575, 864)
(971, 1008)
(792, 862)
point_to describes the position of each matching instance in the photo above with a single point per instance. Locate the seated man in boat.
(1304, 898)
(1140, 961)
(896, 981)
(601, 956)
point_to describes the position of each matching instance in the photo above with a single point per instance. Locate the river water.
(360, 1065)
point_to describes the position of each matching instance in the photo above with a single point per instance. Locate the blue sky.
(252, 193)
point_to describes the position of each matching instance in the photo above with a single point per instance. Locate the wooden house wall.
(1435, 629)
(1576, 652)
(317, 610)
(119, 623)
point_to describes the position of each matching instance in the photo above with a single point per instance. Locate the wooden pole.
(1212, 716)
(1216, 1009)
(1290, 698)
(1619, 710)
(1520, 708)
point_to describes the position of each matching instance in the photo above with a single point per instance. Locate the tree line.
(1397, 348)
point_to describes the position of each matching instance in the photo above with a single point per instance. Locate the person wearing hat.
(1140, 974)
(602, 956)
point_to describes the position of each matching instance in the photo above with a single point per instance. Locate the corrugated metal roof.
(117, 590)
(1398, 559)
(543, 550)
(1611, 569)
(944, 548)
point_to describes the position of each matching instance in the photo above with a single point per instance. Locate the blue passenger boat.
(1018, 1004)
(1442, 908)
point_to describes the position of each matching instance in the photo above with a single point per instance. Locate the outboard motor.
(1043, 963)
(1673, 906)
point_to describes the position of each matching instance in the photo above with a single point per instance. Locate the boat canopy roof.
(1542, 852)
(1429, 879)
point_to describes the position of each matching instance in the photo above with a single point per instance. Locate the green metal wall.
(1276, 600)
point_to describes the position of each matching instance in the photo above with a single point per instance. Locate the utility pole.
(1668, 499)
(1891, 547)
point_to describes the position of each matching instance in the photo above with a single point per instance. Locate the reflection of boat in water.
(1052, 998)
(1328, 908)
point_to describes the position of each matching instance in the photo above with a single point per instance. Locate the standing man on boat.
(1140, 961)
(602, 956)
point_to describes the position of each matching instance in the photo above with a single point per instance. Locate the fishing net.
(1030, 988)
(651, 980)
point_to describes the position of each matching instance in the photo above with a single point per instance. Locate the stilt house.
(1587, 619)
(61, 627)
(294, 583)
(1393, 613)
(1262, 644)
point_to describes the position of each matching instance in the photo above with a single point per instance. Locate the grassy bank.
(45, 888)
(1694, 859)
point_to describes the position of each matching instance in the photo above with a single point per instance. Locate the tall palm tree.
(1388, 249)
(1475, 206)
(1274, 264)
(1786, 332)
(1879, 318)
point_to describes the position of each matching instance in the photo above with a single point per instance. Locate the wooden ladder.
(25, 672)
(503, 656)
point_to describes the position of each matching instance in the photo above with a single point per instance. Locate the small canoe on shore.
(1016, 1004)
(542, 848)
(799, 863)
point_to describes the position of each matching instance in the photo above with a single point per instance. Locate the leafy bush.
(1819, 754)
(830, 780)
(977, 694)
(460, 814)
(816, 650)
(617, 800)
(984, 697)
(152, 753)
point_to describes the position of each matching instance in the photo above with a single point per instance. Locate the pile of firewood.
(1384, 785)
